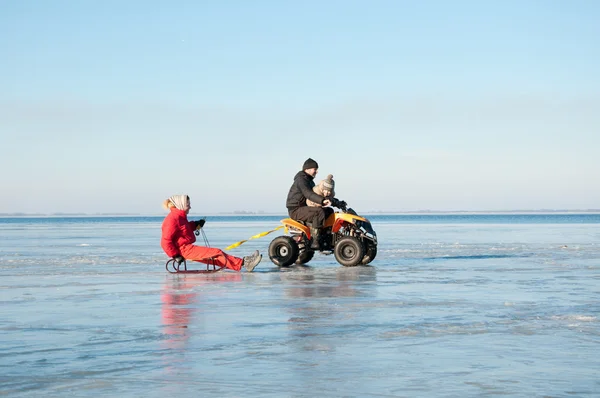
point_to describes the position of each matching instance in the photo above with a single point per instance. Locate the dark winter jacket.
(302, 189)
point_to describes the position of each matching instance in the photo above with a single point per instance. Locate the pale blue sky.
(112, 106)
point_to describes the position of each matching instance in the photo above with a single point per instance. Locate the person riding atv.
(298, 209)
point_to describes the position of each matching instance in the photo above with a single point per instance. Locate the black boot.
(315, 233)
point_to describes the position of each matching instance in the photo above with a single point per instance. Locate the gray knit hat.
(328, 183)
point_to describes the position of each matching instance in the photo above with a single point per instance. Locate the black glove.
(340, 204)
(199, 224)
(178, 259)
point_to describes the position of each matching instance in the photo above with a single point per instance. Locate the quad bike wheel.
(370, 253)
(305, 256)
(283, 251)
(349, 251)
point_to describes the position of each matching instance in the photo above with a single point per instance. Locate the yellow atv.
(349, 236)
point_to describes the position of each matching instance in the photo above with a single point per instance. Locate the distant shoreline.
(262, 214)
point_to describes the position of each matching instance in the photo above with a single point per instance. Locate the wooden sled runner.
(181, 268)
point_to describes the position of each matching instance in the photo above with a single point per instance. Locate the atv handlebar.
(340, 204)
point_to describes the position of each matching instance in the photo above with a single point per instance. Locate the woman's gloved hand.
(199, 224)
(178, 259)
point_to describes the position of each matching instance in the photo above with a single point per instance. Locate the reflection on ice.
(332, 282)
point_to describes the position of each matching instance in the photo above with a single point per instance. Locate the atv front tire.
(349, 251)
(283, 251)
(370, 253)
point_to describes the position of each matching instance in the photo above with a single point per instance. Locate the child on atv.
(324, 188)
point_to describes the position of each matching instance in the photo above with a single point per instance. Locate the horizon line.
(262, 213)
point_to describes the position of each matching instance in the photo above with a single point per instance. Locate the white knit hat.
(181, 202)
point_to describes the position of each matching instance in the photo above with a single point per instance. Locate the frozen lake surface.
(453, 306)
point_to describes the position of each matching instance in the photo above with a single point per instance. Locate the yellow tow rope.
(233, 246)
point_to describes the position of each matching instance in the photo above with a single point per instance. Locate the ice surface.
(448, 309)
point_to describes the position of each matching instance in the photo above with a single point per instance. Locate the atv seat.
(305, 223)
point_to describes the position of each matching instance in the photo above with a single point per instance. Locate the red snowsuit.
(178, 240)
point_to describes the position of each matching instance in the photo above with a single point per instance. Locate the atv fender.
(338, 219)
(291, 223)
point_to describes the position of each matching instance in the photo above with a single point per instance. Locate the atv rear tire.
(305, 256)
(283, 251)
(349, 251)
(370, 253)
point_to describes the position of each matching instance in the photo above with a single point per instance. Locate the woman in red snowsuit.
(178, 239)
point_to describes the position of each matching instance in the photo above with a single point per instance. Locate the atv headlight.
(367, 230)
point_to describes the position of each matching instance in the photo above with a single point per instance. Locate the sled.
(181, 268)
